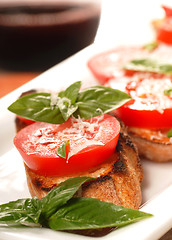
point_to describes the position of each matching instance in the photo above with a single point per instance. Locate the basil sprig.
(35, 212)
(169, 134)
(87, 103)
(60, 210)
(148, 65)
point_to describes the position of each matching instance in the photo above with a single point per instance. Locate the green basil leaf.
(34, 212)
(168, 92)
(21, 212)
(151, 46)
(97, 100)
(37, 107)
(169, 134)
(68, 97)
(61, 151)
(148, 65)
(87, 213)
(71, 92)
(66, 108)
(60, 211)
(59, 196)
(90, 102)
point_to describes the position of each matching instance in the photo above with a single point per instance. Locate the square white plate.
(156, 187)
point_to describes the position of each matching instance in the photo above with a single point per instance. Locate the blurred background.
(37, 34)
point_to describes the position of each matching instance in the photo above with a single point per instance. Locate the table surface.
(11, 81)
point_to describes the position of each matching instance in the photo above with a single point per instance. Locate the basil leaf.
(21, 212)
(148, 65)
(87, 213)
(60, 211)
(71, 92)
(97, 100)
(168, 92)
(68, 97)
(88, 103)
(59, 196)
(66, 108)
(61, 151)
(34, 212)
(37, 107)
(151, 46)
(169, 134)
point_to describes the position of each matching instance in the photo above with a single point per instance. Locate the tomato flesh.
(149, 108)
(107, 65)
(38, 143)
(143, 118)
(110, 65)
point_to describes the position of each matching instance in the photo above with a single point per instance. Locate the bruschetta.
(98, 147)
(145, 73)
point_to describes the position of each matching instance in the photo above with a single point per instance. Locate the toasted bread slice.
(117, 180)
(153, 145)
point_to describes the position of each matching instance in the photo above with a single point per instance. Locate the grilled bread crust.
(153, 145)
(117, 180)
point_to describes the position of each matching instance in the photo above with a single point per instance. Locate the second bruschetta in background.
(145, 73)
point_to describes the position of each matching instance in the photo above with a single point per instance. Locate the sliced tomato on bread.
(90, 143)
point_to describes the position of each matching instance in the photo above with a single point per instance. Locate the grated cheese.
(53, 99)
(150, 94)
(81, 134)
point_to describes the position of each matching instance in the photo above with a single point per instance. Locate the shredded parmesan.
(64, 100)
(81, 134)
(157, 136)
(53, 99)
(150, 94)
(148, 91)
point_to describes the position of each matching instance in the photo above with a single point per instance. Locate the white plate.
(157, 184)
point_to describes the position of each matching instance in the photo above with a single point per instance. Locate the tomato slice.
(91, 142)
(150, 107)
(108, 65)
(143, 118)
